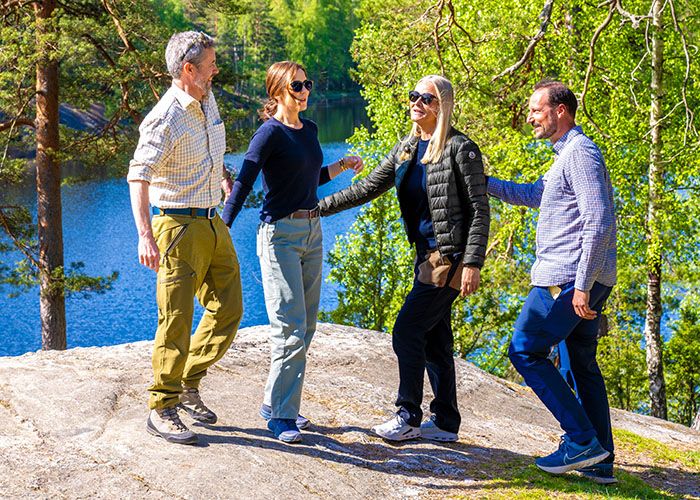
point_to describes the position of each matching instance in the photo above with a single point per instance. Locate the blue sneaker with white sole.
(301, 421)
(571, 456)
(284, 429)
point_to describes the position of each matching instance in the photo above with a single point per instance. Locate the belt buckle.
(211, 212)
(315, 212)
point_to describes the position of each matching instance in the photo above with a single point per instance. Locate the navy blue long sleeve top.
(290, 160)
(414, 201)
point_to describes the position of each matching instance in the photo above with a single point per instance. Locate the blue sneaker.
(266, 413)
(572, 456)
(599, 473)
(284, 429)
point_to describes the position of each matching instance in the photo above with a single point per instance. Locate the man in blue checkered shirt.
(573, 274)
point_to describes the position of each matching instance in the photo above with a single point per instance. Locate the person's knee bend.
(294, 346)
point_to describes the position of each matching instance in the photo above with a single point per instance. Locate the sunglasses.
(199, 38)
(297, 85)
(413, 96)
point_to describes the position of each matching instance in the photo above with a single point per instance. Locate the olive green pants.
(197, 258)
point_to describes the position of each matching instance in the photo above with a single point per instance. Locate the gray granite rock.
(72, 425)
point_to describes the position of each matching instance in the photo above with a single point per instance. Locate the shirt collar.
(182, 97)
(564, 139)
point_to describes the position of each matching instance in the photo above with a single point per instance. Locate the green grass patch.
(657, 451)
(528, 482)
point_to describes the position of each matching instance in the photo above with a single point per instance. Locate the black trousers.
(422, 339)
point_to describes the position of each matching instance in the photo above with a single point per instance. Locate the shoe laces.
(170, 415)
(398, 421)
(195, 399)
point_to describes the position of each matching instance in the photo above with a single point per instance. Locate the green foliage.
(682, 362)
(399, 41)
(622, 362)
(318, 34)
(372, 263)
(659, 452)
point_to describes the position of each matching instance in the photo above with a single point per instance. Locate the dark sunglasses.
(297, 85)
(413, 96)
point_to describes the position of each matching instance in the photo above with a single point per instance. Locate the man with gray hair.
(178, 167)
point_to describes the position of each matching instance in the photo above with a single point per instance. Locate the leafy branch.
(545, 15)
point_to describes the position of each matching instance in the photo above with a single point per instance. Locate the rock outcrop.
(72, 425)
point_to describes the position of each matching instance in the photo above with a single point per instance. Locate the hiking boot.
(284, 429)
(301, 421)
(572, 456)
(430, 430)
(191, 402)
(599, 473)
(166, 423)
(396, 429)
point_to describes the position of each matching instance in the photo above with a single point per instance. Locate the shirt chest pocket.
(192, 147)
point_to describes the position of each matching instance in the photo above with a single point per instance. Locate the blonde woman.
(286, 150)
(440, 184)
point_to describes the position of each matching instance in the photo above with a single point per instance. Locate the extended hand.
(227, 186)
(471, 277)
(580, 303)
(149, 255)
(355, 163)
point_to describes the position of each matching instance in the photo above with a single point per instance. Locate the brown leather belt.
(306, 214)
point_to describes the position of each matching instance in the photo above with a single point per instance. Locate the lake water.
(99, 230)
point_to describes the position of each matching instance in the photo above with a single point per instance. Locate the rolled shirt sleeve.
(153, 150)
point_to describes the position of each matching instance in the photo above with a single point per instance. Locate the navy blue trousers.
(422, 340)
(544, 322)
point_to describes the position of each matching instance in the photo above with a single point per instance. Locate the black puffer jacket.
(456, 189)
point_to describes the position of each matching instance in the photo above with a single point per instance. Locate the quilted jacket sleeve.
(379, 181)
(471, 170)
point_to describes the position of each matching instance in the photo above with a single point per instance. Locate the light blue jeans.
(291, 260)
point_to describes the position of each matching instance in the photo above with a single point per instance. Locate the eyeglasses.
(413, 96)
(200, 38)
(297, 85)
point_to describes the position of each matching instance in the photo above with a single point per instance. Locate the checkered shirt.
(576, 233)
(181, 152)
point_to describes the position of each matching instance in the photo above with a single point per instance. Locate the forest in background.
(633, 66)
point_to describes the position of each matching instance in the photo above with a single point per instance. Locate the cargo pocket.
(176, 287)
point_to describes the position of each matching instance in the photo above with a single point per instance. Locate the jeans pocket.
(535, 311)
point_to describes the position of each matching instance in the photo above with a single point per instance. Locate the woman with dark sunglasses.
(440, 184)
(289, 242)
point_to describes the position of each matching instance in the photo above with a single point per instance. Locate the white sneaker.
(396, 429)
(428, 430)
(166, 423)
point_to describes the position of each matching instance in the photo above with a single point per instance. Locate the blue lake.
(99, 230)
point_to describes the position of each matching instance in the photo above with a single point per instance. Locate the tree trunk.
(48, 181)
(652, 325)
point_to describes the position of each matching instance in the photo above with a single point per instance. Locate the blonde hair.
(446, 100)
(279, 75)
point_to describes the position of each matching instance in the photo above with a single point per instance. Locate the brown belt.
(306, 214)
